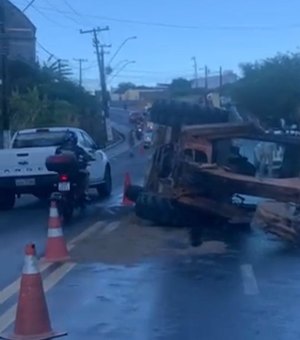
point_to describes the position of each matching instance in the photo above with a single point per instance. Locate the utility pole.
(221, 80)
(80, 61)
(206, 84)
(195, 71)
(101, 65)
(5, 122)
(103, 81)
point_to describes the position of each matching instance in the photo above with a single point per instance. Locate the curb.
(121, 139)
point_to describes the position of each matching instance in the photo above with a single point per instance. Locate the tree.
(123, 87)
(180, 86)
(41, 97)
(270, 89)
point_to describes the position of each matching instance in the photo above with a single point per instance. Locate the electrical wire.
(50, 19)
(30, 3)
(178, 26)
(71, 8)
(65, 15)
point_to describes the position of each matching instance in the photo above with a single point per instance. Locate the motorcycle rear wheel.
(66, 211)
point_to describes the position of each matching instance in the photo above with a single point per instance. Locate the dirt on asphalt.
(132, 240)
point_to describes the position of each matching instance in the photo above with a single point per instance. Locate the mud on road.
(131, 240)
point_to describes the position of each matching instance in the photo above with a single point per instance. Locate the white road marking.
(111, 227)
(12, 289)
(249, 280)
(7, 318)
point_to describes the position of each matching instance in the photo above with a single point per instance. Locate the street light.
(120, 63)
(122, 68)
(120, 47)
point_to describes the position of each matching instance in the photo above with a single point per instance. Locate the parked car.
(23, 169)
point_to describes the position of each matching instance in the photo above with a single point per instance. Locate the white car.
(23, 169)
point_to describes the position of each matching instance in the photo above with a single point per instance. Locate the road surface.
(28, 221)
(248, 291)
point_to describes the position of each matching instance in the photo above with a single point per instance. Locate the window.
(39, 139)
(87, 141)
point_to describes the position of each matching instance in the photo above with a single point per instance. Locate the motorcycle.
(139, 131)
(69, 194)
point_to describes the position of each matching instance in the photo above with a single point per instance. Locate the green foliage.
(180, 86)
(123, 87)
(31, 109)
(39, 96)
(270, 89)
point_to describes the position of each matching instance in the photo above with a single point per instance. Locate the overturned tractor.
(204, 165)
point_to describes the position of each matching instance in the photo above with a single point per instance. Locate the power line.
(65, 15)
(179, 26)
(51, 55)
(48, 18)
(74, 11)
(71, 8)
(28, 5)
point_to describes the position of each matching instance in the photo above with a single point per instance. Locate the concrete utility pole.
(101, 65)
(103, 81)
(221, 80)
(80, 61)
(5, 121)
(206, 84)
(195, 71)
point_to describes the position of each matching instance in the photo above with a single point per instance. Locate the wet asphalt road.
(249, 292)
(28, 221)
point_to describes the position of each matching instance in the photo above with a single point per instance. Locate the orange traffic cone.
(32, 318)
(127, 183)
(56, 248)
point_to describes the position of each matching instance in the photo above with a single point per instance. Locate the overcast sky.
(169, 33)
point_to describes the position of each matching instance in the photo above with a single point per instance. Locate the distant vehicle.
(149, 126)
(135, 117)
(23, 169)
(148, 139)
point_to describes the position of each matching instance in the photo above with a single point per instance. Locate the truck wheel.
(7, 200)
(173, 113)
(104, 189)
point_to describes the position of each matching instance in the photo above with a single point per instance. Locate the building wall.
(21, 35)
(144, 94)
(131, 95)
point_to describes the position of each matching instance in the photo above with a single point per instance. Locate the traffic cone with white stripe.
(32, 317)
(56, 248)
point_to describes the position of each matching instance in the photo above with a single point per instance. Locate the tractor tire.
(155, 208)
(133, 192)
(173, 113)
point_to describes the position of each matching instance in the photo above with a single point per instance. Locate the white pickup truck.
(23, 169)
